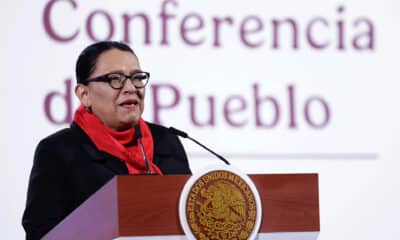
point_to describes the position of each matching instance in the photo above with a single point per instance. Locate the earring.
(88, 109)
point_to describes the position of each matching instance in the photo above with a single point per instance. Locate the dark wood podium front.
(140, 206)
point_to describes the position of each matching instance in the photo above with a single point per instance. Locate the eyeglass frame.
(104, 78)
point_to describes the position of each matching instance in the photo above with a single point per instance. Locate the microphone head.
(185, 135)
(178, 132)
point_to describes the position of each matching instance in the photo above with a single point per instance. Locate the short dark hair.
(86, 63)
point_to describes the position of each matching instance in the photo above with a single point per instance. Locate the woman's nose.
(129, 86)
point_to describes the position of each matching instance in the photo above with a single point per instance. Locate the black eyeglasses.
(118, 80)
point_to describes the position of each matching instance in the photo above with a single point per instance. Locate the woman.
(108, 137)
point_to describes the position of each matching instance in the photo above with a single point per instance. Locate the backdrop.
(274, 86)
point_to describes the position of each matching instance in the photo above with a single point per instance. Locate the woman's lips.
(130, 104)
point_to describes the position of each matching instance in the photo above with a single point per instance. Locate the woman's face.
(119, 109)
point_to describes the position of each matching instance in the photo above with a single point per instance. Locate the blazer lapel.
(112, 163)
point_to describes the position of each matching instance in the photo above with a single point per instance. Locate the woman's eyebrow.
(122, 72)
(135, 71)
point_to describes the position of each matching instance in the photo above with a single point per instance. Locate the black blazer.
(68, 168)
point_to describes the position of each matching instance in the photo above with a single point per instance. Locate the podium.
(146, 207)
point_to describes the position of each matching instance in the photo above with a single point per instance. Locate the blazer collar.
(114, 164)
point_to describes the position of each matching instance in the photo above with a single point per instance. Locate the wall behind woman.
(276, 87)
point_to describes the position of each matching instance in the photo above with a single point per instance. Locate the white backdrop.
(324, 103)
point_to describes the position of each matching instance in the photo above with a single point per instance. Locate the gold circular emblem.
(221, 205)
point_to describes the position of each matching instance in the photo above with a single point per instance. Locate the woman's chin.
(129, 122)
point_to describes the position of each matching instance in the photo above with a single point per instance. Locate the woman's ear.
(82, 92)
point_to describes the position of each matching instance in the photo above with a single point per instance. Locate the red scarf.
(119, 144)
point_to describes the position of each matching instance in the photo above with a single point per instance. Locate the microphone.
(138, 134)
(185, 135)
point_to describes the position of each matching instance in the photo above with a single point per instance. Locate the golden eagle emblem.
(221, 206)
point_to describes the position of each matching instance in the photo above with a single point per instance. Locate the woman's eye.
(140, 76)
(114, 77)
